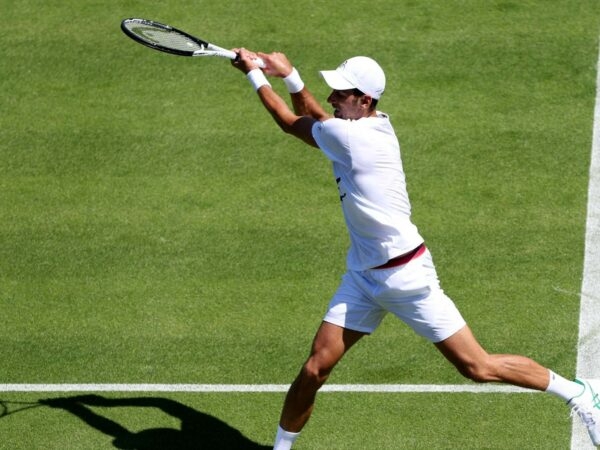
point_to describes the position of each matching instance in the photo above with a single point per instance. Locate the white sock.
(563, 388)
(284, 439)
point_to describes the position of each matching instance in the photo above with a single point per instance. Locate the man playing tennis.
(389, 269)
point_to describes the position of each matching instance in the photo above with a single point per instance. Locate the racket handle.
(258, 61)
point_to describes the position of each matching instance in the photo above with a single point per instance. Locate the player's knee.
(314, 373)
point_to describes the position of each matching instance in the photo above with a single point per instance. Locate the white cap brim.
(335, 80)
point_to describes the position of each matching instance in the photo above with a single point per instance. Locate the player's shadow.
(198, 430)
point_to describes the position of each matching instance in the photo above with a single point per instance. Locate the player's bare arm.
(299, 126)
(288, 121)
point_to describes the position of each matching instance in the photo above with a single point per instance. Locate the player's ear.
(366, 101)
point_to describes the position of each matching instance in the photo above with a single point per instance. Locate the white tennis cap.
(360, 73)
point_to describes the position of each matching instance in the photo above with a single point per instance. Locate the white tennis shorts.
(411, 292)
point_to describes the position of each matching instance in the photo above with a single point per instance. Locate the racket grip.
(259, 61)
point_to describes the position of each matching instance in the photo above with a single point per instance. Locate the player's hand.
(246, 60)
(276, 64)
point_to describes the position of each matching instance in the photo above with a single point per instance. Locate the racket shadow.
(8, 407)
(198, 430)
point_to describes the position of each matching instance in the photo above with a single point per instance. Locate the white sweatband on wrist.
(257, 79)
(293, 82)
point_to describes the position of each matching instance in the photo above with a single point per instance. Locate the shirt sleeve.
(332, 137)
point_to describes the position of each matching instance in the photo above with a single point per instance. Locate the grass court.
(157, 227)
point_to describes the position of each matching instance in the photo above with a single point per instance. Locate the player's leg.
(431, 314)
(464, 351)
(350, 316)
(329, 345)
(583, 396)
(413, 294)
(471, 360)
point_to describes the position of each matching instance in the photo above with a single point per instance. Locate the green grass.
(471, 421)
(155, 225)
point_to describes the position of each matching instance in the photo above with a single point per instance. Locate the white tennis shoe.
(587, 406)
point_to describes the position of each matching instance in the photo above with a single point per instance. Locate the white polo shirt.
(368, 170)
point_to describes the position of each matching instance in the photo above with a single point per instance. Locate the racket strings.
(165, 38)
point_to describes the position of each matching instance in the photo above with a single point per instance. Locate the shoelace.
(587, 414)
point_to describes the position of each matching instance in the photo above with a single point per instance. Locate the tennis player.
(389, 268)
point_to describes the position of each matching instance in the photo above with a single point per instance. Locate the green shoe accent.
(582, 384)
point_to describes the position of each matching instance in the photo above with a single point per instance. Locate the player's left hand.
(246, 60)
(276, 64)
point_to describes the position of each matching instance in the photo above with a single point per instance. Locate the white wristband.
(293, 82)
(257, 79)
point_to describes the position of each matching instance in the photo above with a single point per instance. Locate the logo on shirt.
(337, 180)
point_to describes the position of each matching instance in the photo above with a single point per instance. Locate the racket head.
(162, 37)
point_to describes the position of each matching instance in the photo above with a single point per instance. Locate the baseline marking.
(410, 388)
(589, 314)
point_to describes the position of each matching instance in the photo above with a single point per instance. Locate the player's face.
(348, 105)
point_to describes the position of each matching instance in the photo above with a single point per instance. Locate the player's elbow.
(285, 126)
(300, 127)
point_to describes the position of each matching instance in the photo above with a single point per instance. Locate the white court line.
(588, 356)
(410, 388)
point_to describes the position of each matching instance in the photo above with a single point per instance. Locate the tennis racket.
(167, 39)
